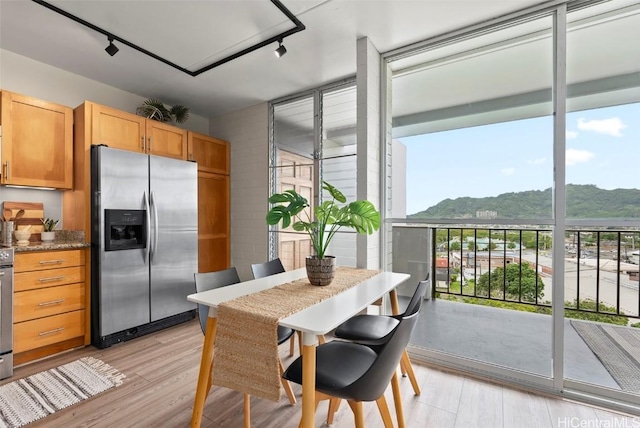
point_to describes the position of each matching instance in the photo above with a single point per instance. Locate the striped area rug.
(32, 398)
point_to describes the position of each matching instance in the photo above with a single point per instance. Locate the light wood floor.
(162, 369)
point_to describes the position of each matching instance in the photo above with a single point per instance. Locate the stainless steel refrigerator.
(144, 243)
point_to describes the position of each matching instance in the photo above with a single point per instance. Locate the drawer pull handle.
(51, 262)
(55, 330)
(53, 302)
(51, 278)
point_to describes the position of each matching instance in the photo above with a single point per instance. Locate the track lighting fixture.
(111, 49)
(281, 49)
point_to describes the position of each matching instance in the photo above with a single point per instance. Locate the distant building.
(442, 269)
(483, 259)
(486, 214)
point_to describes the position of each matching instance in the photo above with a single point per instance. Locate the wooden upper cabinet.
(211, 154)
(166, 140)
(127, 131)
(37, 142)
(117, 129)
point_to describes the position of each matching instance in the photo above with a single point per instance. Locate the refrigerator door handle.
(147, 210)
(98, 197)
(156, 228)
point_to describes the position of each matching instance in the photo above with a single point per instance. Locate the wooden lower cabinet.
(50, 303)
(34, 304)
(41, 332)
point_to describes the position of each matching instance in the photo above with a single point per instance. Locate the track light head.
(111, 49)
(281, 49)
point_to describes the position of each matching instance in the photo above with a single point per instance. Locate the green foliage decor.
(359, 215)
(519, 279)
(156, 110)
(49, 224)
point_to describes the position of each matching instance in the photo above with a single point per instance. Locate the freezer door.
(123, 276)
(174, 236)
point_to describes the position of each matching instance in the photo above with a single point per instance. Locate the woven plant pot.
(321, 271)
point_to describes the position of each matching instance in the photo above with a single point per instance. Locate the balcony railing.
(515, 266)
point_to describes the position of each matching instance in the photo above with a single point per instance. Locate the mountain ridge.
(583, 201)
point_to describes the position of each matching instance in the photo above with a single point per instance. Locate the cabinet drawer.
(48, 278)
(48, 260)
(29, 305)
(47, 331)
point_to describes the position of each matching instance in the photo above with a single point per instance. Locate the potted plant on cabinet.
(330, 217)
(156, 110)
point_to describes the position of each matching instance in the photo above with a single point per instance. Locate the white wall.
(247, 131)
(28, 77)
(36, 79)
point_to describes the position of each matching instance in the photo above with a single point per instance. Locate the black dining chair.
(373, 329)
(272, 267)
(357, 372)
(369, 329)
(211, 280)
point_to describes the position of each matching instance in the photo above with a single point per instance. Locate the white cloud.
(570, 135)
(574, 157)
(508, 171)
(611, 126)
(538, 161)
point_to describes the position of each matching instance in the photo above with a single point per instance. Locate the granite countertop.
(65, 240)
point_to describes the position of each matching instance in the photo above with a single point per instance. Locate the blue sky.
(603, 148)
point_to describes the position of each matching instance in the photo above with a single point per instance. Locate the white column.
(368, 143)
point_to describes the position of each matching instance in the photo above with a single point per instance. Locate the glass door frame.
(556, 384)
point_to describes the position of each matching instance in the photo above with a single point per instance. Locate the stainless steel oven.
(6, 312)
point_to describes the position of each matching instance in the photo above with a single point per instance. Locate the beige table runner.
(245, 356)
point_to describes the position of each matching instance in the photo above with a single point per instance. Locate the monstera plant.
(329, 217)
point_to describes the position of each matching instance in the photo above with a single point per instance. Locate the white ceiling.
(196, 33)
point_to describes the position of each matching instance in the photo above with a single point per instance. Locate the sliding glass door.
(602, 331)
(474, 119)
(516, 144)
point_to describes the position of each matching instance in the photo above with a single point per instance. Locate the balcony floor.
(514, 339)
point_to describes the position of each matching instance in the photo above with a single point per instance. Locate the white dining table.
(314, 321)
